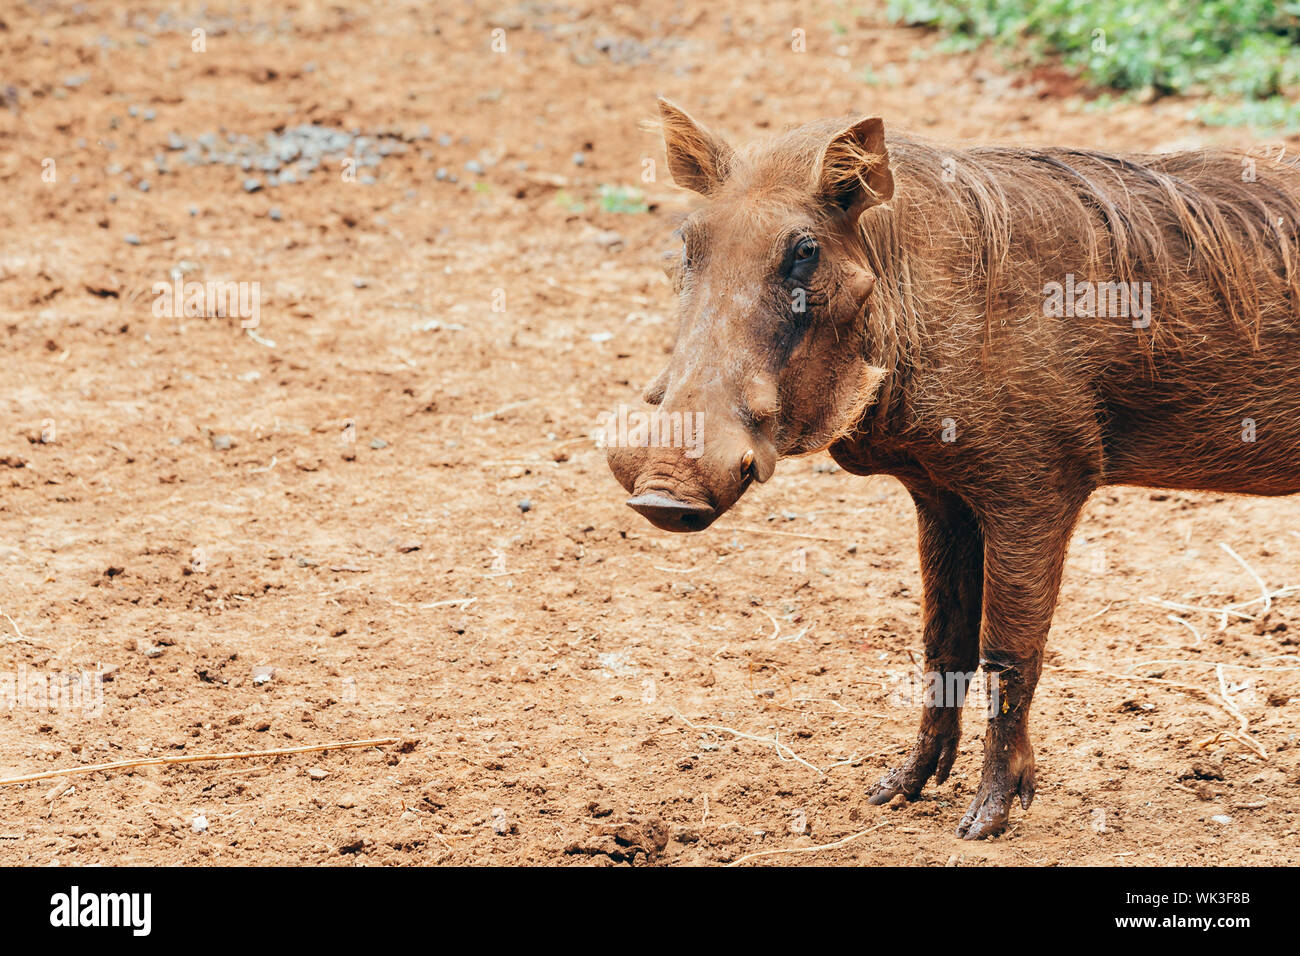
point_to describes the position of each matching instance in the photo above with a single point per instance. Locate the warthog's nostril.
(670, 514)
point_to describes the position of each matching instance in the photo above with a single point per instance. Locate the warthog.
(903, 309)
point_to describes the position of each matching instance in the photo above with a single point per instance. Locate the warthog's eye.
(672, 262)
(675, 262)
(802, 258)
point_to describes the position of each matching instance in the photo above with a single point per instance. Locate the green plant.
(1274, 113)
(569, 203)
(1245, 50)
(622, 199)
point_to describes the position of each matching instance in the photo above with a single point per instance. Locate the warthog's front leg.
(1024, 551)
(952, 571)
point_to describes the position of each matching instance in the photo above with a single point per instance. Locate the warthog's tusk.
(747, 462)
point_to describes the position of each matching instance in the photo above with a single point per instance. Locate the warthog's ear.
(854, 167)
(697, 158)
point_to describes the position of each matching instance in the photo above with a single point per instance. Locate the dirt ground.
(385, 498)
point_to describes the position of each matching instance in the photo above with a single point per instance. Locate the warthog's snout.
(684, 489)
(671, 514)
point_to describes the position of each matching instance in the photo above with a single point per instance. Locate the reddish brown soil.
(578, 703)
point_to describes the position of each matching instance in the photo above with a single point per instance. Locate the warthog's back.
(1145, 306)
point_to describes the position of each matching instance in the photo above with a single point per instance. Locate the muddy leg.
(1022, 575)
(952, 571)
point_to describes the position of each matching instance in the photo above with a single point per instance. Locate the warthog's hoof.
(931, 756)
(991, 808)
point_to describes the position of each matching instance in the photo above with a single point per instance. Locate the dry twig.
(808, 849)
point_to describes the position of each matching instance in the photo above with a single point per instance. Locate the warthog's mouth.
(671, 512)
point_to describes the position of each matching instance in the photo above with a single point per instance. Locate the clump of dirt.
(630, 841)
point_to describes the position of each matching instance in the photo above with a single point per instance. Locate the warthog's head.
(773, 285)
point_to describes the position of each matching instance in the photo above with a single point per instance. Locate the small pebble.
(131, 239)
(525, 505)
(222, 442)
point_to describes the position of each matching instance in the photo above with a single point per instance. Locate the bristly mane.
(1191, 223)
